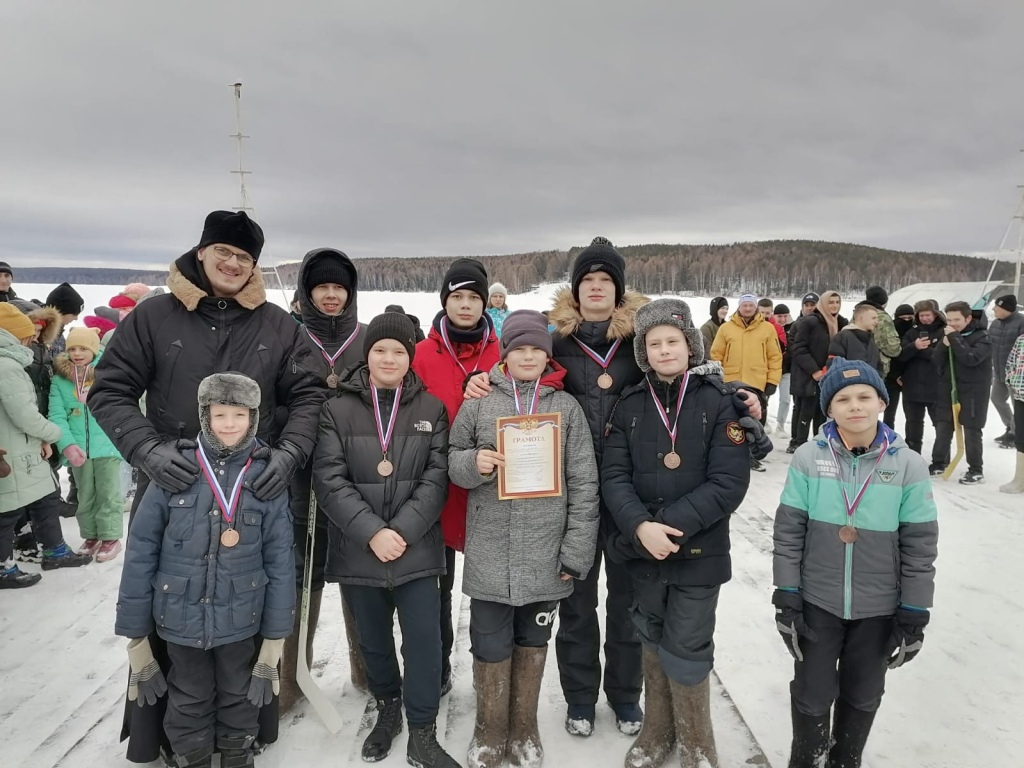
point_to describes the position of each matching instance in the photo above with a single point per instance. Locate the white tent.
(978, 295)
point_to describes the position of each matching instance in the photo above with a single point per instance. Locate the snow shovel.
(958, 430)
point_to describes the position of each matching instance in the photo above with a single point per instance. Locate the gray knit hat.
(525, 327)
(675, 312)
(229, 389)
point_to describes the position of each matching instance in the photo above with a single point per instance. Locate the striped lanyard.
(385, 435)
(227, 506)
(332, 359)
(674, 429)
(851, 507)
(534, 400)
(81, 389)
(451, 349)
(605, 361)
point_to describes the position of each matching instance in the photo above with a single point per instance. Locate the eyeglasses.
(225, 254)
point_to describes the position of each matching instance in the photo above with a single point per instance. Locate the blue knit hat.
(844, 373)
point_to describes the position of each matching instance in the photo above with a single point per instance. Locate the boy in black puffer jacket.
(671, 497)
(380, 472)
(216, 586)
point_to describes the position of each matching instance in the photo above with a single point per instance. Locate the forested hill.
(775, 267)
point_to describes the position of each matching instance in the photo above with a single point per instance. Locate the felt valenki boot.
(1017, 484)
(524, 747)
(810, 739)
(657, 736)
(493, 690)
(691, 708)
(849, 735)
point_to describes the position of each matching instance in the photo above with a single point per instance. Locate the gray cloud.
(467, 127)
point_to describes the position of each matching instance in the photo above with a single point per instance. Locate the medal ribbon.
(80, 390)
(605, 361)
(332, 359)
(519, 403)
(679, 405)
(385, 437)
(226, 506)
(851, 508)
(451, 349)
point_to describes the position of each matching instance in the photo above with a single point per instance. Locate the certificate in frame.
(532, 448)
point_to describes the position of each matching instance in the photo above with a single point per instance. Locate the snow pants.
(1001, 400)
(784, 400)
(973, 446)
(45, 516)
(894, 388)
(806, 414)
(495, 628)
(100, 503)
(914, 415)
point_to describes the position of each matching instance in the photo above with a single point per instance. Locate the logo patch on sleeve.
(735, 433)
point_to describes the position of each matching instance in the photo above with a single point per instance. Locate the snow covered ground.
(958, 705)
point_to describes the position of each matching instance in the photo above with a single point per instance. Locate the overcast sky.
(479, 127)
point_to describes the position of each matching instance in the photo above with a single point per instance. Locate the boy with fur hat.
(217, 586)
(95, 462)
(671, 498)
(920, 376)
(856, 536)
(380, 472)
(521, 554)
(26, 435)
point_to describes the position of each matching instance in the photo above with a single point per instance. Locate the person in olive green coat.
(94, 460)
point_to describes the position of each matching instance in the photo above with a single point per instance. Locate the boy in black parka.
(380, 473)
(675, 467)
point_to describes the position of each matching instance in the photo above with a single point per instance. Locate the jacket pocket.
(182, 517)
(170, 601)
(248, 594)
(250, 527)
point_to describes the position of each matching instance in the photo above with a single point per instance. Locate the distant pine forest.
(769, 268)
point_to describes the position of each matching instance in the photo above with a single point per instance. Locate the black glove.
(167, 467)
(758, 441)
(275, 478)
(907, 636)
(789, 620)
(770, 389)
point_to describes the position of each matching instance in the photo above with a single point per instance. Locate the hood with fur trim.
(565, 314)
(52, 325)
(188, 284)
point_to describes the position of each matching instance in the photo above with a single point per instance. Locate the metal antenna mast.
(1007, 243)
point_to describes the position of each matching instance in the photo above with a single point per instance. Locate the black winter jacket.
(170, 343)
(332, 333)
(787, 353)
(359, 502)
(1003, 334)
(896, 364)
(809, 352)
(972, 359)
(920, 376)
(856, 344)
(697, 498)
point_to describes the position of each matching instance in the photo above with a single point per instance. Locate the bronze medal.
(604, 381)
(385, 468)
(672, 460)
(332, 381)
(229, 538)
(848, 534)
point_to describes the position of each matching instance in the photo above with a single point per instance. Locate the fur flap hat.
(674, 312)
(87, 338)
(235, 229)
(229, 389)
(877, 295)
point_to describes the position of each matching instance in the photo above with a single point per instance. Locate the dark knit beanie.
(843, 373)
(780, 309)
(525, 328)
(903, 309)
(1007, 302)
(599, 256)
(5, 267)
(876, 295)
(395, 308)
(327, 268)
(66, 300)
(674, 312)
(464, 274)
(390, 325)
(233, 228)
(716, 304)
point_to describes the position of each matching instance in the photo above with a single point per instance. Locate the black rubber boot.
(849, 735)
(424, 751)
(810, 739)
(236, 752)
(389, 724)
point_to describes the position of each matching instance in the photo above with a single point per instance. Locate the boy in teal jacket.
(856, 538)
(95, 463)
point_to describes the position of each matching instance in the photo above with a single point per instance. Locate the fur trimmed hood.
(565, 314)
(52, 325)
(185, 282)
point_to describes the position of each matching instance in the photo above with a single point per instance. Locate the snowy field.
(958, 705)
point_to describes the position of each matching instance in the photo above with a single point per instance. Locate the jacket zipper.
(848, 566)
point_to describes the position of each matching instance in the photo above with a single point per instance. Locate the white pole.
(238, 136)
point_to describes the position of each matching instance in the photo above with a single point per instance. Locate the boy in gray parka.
(523, 554)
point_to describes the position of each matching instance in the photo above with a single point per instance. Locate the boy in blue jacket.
(211, 570)
(856, 538)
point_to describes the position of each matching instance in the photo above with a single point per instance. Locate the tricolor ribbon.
(519, 402)
(81, 391)
(382, 435)
(679, 406)
(605, 361)
(451, 349)
(226, 506)
(332, 359)
(851, 508)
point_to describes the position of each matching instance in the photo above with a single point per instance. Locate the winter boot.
(389, 724)
(579, 719)
(26, 548)
(810, 739)
(108, 551)
(63, 557)
(691, 708)
(629, 718)
(199, 758)
(524, 748)
(12, 577)
(89, 547)
(356, 665)
(657, 736)
(236, 752)
(423, 750)
(1017, 484)
(849, 735)
(493, 688)
(290, 691)
(1006, 440)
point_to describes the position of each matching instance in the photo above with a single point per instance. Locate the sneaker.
(935, 469)
(13, 577)
(377, 745)
(791, 448)
(755, 465)
(423, 751)
(63, 557)
(781, 431)
(579, 719)
(972, 477)
(629, 718)
(1006, 440)
(89, 547)
(108, 551)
